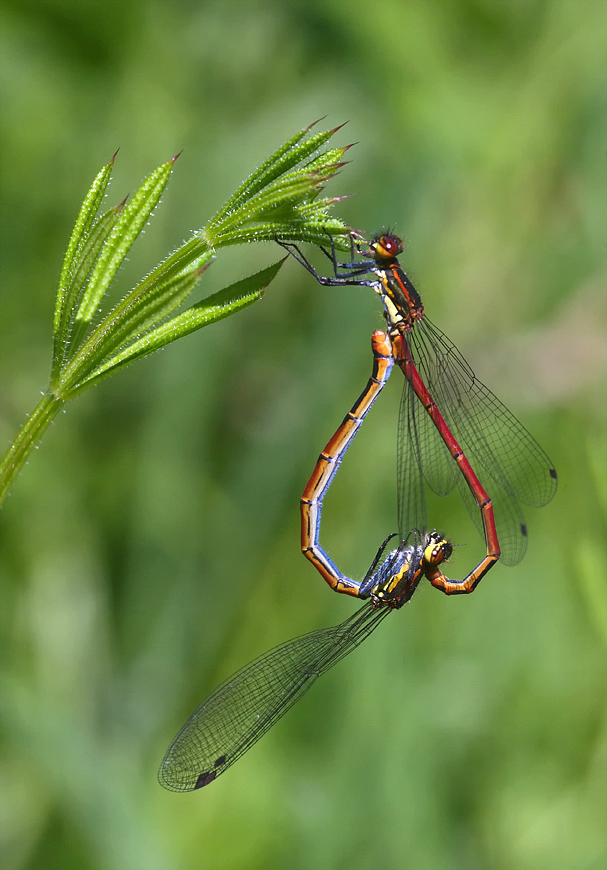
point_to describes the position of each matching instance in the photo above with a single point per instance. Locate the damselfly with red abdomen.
(508, 460)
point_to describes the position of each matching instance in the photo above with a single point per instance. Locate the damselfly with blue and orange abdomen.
(251, 701)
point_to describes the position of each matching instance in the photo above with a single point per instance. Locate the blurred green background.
(151, 546)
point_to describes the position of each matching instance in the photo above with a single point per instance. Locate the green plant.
(280, 199)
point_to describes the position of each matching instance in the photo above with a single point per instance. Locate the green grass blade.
(287, 156)
(65, 338)
(84, 221)
(128, 227)
(214, 308)
(144, 310)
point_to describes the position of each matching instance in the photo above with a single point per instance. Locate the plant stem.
(27, 438)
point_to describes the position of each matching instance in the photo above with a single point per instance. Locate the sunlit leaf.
(132, 220)
(227, 301)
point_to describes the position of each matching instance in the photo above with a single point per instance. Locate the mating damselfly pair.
(452, 433)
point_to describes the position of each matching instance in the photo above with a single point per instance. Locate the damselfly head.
(437, 549)
(386, 246)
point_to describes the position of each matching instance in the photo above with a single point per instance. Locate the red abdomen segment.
(436, 577)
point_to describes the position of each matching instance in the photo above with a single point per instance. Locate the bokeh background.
(151, 545)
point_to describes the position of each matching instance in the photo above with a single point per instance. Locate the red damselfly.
(510, 462)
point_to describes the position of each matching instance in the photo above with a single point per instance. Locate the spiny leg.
(347, 278)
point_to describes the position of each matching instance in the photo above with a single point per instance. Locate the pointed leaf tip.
(335, 129)
(173, 159)
(314, 123)
(203, 269)
(328, 171)
(114, 156)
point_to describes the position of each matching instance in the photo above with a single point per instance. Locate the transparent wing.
(509, 520)
(477, 416)
(251, 701)
(508, 461)
(421, 454)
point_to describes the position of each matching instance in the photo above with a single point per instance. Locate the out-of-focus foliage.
(151, 546)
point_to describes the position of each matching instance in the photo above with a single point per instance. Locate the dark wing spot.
(221, 760)
(553, 473)
(205, 778)
(523, 530)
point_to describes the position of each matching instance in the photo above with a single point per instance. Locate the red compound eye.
(388, 246)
